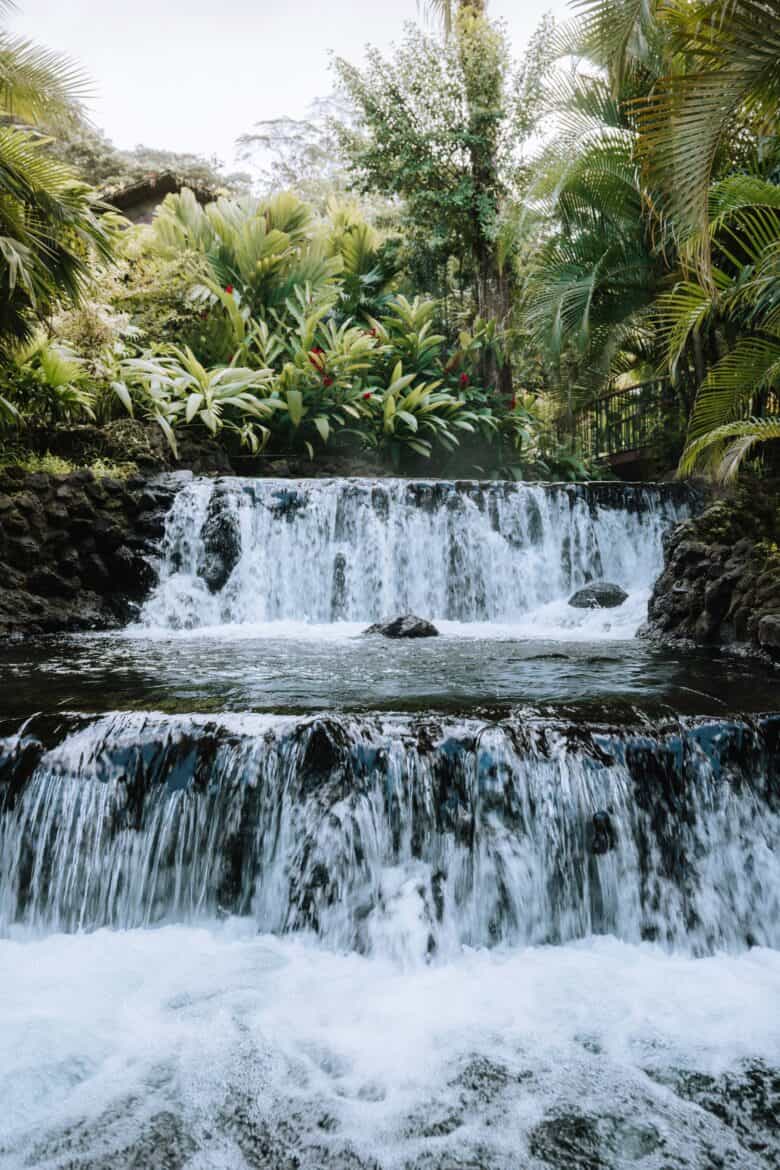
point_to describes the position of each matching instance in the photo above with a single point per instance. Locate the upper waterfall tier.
(254, 551)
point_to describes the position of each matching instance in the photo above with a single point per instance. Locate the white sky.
(191, 75)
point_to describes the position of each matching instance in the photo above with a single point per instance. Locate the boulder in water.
(603, 837)
(406, 626)
(221, 535)
(598, 595)
(769, 634)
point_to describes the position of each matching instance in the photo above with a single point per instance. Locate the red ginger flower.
(327, 380)
(368, 394)
(229, 289)
(464, 380)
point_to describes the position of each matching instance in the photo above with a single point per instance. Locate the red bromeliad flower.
(513, 403)
(316, 357)
(368, 394)
(464, 380)
(229, 289)
(327, 380)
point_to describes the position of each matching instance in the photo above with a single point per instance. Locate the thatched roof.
(153, 188)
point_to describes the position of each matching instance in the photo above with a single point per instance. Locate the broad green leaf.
(194, 403)
(295, 406)
(210, 420)
(123, 394)
(399, 383)
(167, 430)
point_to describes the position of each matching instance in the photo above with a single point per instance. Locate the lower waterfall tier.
(399, 837)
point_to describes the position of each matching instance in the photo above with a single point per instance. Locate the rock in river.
(221, 536)
(406, 626)
(598, 595)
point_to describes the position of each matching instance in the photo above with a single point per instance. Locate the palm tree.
(727, 75)
(444, 10)
(594, 268)
(50, 224)
(662, 242)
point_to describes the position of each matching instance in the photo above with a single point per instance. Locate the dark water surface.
(98, 673)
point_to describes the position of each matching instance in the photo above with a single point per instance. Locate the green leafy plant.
(176, 390)
(48, 383)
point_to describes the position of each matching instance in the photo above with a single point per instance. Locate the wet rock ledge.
(721, 580)
(76, 552)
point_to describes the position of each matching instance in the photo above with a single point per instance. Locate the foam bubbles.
(209, 1039)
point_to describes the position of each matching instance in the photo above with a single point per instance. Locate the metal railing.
(626, 420)
(637, 418)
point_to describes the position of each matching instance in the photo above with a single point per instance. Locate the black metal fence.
(626, 420)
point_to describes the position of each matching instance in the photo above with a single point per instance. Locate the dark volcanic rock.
(769, 634)
(76, 553)
(407, 626)
(598, 595)
(721, 578)
(221, 535)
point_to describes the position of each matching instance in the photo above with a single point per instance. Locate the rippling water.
(334, 669)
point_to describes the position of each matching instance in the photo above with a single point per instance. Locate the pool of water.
(297, 669)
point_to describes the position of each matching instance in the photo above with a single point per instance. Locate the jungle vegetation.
(458, 256)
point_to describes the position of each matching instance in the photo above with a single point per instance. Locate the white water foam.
(555, 621)
(324, 558)
(214, 1048)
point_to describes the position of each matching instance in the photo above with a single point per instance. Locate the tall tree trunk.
(493, 289)
(494, 303)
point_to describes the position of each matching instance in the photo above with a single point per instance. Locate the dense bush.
(292, 337)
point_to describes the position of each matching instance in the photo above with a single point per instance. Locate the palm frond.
(733, 54)
(735, 384)
(39, 86)
(726, 447)
(608, 34)
(442, 11)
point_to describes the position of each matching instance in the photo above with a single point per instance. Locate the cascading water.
(398, 836)
(415, 935)
(353, 550)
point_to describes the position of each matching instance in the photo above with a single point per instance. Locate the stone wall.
(721, 581)
(76, 552)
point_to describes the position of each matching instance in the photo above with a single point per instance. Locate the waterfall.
(322, 551)
(354, 904)
(402, 837)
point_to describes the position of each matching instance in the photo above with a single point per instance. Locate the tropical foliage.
(50, 223)
(657, 237)
(442, 126)
(593, 233)
(305, 360)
